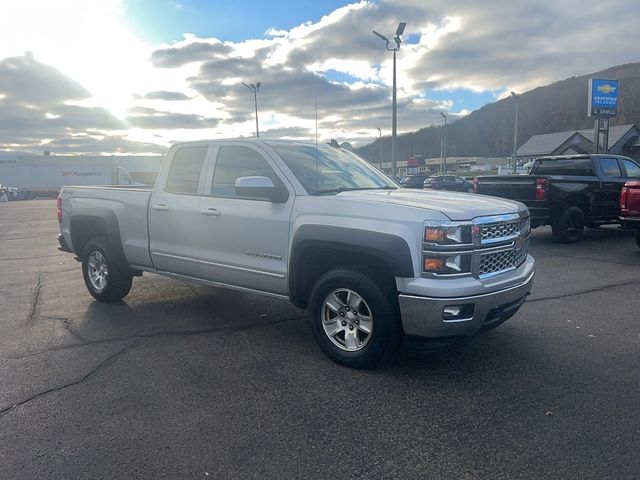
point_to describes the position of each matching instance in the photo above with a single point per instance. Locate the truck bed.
(129, 203)
(514, 187)
(521, 188)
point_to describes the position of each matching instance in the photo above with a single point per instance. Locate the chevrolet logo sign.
(606, 88)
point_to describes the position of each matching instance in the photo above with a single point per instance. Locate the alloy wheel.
(347, 320)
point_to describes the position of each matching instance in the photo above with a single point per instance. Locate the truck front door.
(243, 241)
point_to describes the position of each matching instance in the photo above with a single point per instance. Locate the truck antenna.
(316, 144)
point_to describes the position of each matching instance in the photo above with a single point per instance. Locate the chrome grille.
(496, 231)
(491, 263)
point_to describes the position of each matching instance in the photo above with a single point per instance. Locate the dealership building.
(623, 140)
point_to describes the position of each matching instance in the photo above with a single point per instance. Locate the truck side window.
(632, 169)
(569, 166)
(184, 173)
(236, 162)
(610, 167)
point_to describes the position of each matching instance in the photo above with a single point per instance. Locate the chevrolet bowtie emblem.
(606, 88)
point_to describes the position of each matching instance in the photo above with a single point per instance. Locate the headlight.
(443, 234)
(443, 248)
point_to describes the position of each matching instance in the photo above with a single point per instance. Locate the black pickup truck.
(567, 192)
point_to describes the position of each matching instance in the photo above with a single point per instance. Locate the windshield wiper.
(351, 189)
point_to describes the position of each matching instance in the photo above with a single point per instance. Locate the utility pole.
(254, 89)
(515, 132)
(443, 146)
(397, 41)
(380, 147)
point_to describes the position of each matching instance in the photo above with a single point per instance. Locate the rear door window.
(631, 168)
(609, 167)
(185, 170)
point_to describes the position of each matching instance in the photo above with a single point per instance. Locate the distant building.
(623, 140)
(460, 165)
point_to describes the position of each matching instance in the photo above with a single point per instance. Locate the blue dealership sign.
(603, 97)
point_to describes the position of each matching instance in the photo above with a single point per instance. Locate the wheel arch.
(317, 249)
(86, 224)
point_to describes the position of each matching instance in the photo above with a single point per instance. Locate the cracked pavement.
(186, 381)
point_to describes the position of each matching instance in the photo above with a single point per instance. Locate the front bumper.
(424, 316)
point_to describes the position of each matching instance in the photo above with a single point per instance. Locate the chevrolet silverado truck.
(372, 263)
(567, 192)
(630, 208)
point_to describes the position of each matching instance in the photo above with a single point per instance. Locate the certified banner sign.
(603, 97)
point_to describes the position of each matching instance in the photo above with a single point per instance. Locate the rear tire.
(106, 274)
(569, 226)
(355, 317)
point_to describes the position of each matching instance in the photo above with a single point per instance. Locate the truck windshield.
(336, 170)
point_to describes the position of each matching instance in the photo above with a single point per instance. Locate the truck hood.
(456, 206)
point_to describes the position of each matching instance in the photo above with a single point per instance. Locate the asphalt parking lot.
(185, 381)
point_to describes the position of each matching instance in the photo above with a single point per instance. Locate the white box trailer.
(27, 176)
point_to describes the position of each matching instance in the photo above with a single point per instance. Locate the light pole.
(397, 41)
(380, 147)
(254, 89)
(443, 146)
(515, 131)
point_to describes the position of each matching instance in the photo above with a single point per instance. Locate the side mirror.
(261, 188)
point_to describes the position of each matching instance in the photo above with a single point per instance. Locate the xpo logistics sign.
(603, 98)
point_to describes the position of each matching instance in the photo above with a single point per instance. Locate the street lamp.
(443, 144)
(380, 147)
(254, 89)
(515, 130)
(397, 41)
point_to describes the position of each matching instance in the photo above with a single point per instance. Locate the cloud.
(37, 109)
(166, 95)
(99, 144)
(193, 85)
(189, 50)
(150, 118)
(24, 79)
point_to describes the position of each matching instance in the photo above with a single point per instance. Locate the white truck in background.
(27, 176)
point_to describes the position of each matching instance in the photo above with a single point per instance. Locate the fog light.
(458, 313)
(452, 311)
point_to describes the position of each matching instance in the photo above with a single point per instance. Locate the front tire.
(569, 227)
(106, 274)
(355, 317)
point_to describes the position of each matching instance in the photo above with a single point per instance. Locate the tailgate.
(633, 198)
(514, 187)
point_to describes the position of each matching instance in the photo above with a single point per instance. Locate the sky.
(134, 76)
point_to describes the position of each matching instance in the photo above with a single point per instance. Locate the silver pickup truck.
(372, 263)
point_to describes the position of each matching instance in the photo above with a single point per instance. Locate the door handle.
(211, 212)
(161, 207)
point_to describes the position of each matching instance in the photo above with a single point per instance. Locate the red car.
(630, 208)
